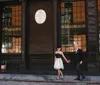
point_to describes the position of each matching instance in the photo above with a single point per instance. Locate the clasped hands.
(68, 61)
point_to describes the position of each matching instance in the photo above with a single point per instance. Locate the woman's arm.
(65, 58)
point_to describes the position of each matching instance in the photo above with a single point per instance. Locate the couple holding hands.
(58, 63)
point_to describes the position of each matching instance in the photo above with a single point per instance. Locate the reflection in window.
(72, 20)
(11, 31)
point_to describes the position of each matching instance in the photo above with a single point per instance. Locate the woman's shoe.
(58, 78)
(62, 77)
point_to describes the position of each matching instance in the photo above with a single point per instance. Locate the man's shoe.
(82, 79)
(77, 79)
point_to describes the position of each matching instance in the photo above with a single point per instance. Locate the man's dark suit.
(78, 58)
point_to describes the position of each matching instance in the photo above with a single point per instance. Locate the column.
(57, 23)
(93, 31)
(1, 4)
(23, 65)
(92, 34)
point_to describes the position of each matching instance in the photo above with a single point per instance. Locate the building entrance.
(40, 33)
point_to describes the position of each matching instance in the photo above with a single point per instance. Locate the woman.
(58, 63)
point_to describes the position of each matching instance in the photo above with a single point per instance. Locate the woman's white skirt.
(58, 64)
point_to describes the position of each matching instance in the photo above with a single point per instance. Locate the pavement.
(32, 79)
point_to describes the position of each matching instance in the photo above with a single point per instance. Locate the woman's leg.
(58, 74)
(61, 74)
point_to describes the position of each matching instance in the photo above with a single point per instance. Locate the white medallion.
(40, 16)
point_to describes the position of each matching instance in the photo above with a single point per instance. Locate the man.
(78, 61)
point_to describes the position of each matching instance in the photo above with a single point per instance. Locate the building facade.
(31, 30)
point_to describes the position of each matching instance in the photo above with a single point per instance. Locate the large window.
(73, 25)
(11, 31)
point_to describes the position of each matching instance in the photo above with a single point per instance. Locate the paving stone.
(30, 79)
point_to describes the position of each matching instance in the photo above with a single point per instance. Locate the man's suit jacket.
(78, 56)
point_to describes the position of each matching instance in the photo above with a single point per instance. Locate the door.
(41, 35)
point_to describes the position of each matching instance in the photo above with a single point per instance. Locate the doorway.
(41, 33)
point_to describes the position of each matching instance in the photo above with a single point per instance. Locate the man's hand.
(81, 62)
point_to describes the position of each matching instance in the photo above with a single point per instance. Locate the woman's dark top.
(58, 55)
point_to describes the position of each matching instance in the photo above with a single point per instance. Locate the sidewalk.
(47, 78)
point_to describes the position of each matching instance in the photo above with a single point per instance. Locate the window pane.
(11, 31)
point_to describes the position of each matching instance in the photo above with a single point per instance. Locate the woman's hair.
(58, 48)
